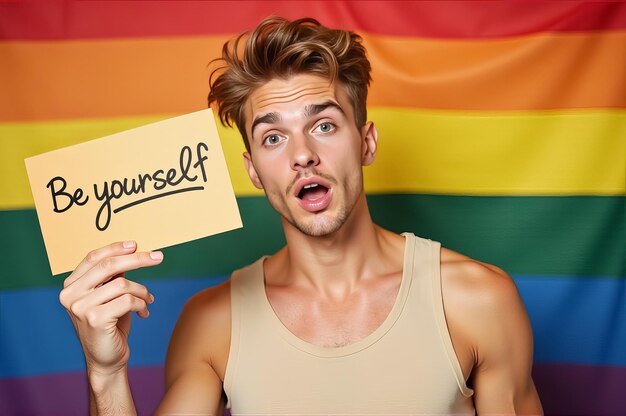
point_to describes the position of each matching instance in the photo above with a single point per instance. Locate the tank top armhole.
(442, 325)
(235, 328)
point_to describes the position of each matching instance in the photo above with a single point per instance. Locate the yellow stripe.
(573, 152)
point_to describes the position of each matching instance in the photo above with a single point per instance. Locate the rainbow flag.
(503, 135)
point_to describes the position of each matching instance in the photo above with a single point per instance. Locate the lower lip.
(318, 204)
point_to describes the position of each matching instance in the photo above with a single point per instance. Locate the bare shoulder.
(209, 306)
(475, 284)
(202, 333)
(482, 305)
(491, 334)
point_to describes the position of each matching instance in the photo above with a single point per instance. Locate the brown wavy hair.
(279, 48)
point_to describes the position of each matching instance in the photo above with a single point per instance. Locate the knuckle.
(108, 263)
(92, 256)
(75, 309)
(122, 283)
(63, 299)
(92, 318)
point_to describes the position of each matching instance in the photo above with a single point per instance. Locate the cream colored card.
(160, 184)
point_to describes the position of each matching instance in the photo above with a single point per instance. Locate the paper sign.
(160, 184)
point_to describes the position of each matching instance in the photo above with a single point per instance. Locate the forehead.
(291, 95)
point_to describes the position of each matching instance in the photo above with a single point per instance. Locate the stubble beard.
(320, 227)
(323, 223)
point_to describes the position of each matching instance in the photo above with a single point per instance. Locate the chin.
(316, 230)
(321, 226)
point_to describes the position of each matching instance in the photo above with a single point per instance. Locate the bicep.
(502, 379)
(197, 390)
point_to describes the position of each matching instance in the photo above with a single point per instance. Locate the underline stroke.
(150, 198)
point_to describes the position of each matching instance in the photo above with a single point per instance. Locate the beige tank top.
(406, 366)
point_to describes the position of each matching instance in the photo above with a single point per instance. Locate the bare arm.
(490, 316)
(502, 379)
(99, 301)
(109, 394)
(197, 355)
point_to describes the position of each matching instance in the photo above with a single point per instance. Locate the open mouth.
(312, 192)
(314, 195)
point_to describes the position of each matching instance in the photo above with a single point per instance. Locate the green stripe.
(526, 235)
(560, 235)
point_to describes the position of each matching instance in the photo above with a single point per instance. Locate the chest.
(400, 367)
(335, 322)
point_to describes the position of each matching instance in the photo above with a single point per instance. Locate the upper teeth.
(311, 185)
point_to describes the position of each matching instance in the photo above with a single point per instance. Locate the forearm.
(100, 300)
(110, 394)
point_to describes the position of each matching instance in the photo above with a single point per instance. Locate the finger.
(112, 266)
(106, 293)
(112, 311)
(104, 270)
(95, 256)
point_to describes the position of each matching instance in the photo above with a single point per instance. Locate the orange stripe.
(94, 79)
(539, 72)
(79, 79)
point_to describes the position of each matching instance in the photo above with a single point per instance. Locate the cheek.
(348, 154)
(268, 172)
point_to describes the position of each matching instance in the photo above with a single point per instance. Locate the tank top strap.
(433, 285)
(245, 285)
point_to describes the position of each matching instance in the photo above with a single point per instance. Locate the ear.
(254, 177)
(369, 143)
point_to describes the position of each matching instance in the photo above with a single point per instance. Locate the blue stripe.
(37, 336)
(575, 320)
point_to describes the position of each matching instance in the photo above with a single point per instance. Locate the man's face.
(306, 151)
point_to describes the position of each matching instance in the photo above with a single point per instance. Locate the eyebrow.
(268, 118)
(314, 109)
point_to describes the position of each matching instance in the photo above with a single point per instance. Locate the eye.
(272, 139)
(325, 127)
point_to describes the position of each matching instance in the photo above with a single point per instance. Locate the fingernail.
(156, 255)
(128, 244)
(151, 298)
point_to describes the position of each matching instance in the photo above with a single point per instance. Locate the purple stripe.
(568, 389)
(66, 394)
(565, 389)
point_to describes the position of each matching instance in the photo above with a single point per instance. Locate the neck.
(334, 264)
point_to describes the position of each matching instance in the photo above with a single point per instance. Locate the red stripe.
(462, 19)
(563, 389)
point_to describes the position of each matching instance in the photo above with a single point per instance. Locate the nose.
(303, 153)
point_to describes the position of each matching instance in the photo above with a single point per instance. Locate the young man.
(347, 318)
